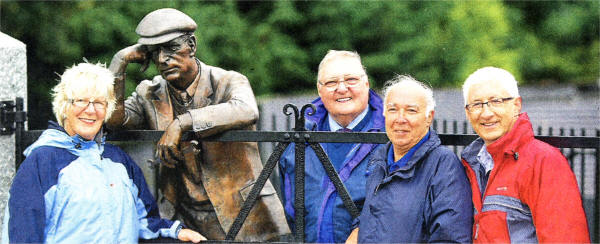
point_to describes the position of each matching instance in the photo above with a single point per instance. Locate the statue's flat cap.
(163, 25)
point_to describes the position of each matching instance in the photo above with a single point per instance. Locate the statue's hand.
(136, 53)
(167, 149)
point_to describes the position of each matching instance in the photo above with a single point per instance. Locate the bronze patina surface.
(206, 182)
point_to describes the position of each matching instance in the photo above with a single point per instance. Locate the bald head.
(337, 54)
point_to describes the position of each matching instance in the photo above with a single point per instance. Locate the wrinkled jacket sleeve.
(553, 197)
(150, 223)
(450, 216)
(287, 183)
(374, 174)
(26, 204)
(234, 105)
(134, 111)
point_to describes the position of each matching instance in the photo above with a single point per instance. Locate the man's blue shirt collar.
(394, 165)
(334, 126)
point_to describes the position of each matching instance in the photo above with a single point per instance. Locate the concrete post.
(13, 83)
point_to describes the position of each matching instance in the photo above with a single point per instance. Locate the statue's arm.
(234, 107)
(132, 54)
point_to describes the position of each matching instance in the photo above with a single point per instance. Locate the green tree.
(279, 44)
(558, 40)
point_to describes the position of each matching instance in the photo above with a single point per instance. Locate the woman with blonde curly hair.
(75, 188)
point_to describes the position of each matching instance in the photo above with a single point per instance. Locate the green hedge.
(278, 44)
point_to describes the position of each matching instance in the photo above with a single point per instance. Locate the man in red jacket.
(523, 189)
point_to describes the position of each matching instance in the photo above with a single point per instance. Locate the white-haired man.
(523, 189)
(345, 103)
(417, 191)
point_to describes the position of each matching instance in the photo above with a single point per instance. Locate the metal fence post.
(582, 167)
(596, 230)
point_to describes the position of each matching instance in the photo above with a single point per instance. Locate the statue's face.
(175, 59)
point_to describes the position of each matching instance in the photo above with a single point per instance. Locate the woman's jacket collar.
(56, 136)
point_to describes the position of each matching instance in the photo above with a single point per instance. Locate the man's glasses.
(348, 80)
(493, 103)
(83, 103)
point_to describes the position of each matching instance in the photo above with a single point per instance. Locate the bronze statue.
(208, 182)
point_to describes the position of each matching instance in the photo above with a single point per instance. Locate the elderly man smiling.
(345, 103)
(523, 189)
(417, 190)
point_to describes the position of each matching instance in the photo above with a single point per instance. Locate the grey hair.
(407, 79)
(80, 78)
(487, 74)
(333, 54)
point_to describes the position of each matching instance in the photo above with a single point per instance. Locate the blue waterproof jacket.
(70, 190)
(426, 200)
(319, 189)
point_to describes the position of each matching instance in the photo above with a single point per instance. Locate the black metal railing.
(302, 138)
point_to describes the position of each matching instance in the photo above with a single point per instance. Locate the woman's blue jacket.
(70, 190)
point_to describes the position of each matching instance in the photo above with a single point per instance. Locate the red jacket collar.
(520, 134)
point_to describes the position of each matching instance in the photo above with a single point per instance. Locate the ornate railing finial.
(299, 117)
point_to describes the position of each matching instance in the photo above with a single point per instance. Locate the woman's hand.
(190, 235)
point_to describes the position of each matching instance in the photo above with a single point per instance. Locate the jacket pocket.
(491, 226)
(519, 221)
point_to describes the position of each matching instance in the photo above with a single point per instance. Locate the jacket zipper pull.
(376, 188)
(476, 231)
(379, 184)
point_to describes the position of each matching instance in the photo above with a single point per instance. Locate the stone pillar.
(13, 83)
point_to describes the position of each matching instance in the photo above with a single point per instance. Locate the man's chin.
(170, 77)
(345, 109)
(491, 137)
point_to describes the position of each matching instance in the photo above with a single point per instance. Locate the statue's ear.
(192, 44)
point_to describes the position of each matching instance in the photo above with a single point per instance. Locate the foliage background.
(278, 44)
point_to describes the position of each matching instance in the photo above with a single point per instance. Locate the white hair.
(407, 79)
(333, 54)
(84, 78)
(488, 74)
